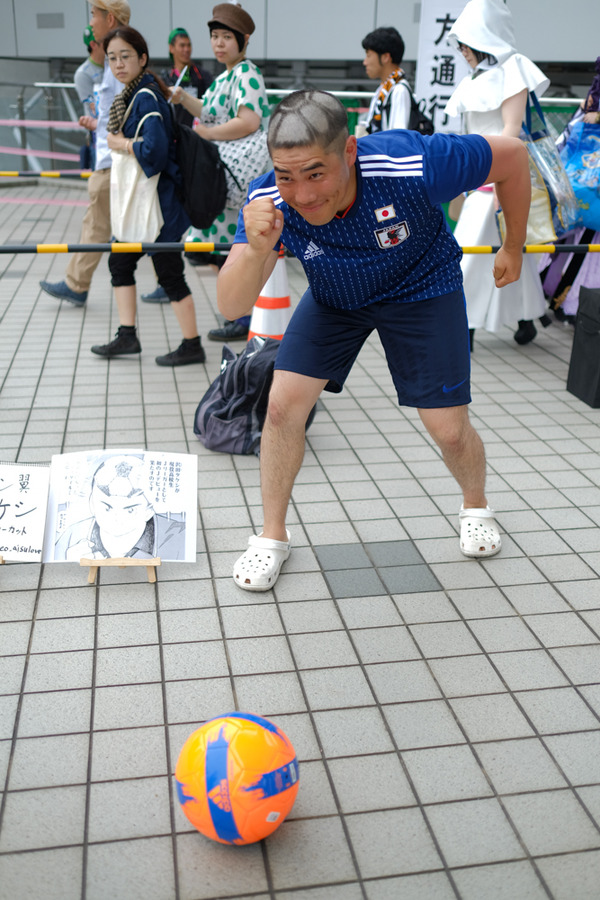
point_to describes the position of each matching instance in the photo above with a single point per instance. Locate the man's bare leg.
(282, 445)
(462, 450)
(464, 455)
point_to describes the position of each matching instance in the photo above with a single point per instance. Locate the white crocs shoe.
(259, 567)
(479, 535)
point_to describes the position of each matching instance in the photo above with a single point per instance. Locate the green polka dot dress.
(247, 157)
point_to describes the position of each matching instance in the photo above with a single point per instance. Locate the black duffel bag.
(584, 369)
(231, 414)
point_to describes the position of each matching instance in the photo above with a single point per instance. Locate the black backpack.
(418, 121)
(231, 415)
(203, 191)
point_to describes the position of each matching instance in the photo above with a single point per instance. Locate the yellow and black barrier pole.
(209, 247)
(540, 248)
(116, 247)
(85, 173)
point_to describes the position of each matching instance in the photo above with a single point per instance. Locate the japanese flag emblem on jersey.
(392, 235)
(385, 213)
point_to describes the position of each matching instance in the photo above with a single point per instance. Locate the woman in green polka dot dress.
(234, 113)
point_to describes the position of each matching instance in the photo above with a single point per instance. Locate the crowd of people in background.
(232, 110)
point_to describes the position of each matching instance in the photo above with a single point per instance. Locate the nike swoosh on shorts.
(448, 390)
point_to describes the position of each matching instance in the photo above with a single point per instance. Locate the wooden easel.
(121, 563)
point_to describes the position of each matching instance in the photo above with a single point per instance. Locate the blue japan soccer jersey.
(393, 243)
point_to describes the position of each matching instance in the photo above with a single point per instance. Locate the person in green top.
(234, 113)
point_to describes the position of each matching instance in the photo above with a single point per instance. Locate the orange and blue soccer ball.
(237, 778)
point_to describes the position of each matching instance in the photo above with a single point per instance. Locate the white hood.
(486, 25)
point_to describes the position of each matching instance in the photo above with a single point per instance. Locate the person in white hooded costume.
(492, 101)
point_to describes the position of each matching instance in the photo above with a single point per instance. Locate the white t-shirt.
(397, 109)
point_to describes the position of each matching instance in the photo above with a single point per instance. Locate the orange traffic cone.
(273, 309)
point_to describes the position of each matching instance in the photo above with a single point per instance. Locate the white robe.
(486, 25)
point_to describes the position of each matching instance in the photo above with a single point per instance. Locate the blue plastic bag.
(581, 158)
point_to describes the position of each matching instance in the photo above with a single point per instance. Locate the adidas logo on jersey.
(312, 250)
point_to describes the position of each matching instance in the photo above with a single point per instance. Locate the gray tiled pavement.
(445, 711)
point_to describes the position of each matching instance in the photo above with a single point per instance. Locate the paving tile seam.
(333, 815)
(447, 695)
(472, 743)
(490, 654)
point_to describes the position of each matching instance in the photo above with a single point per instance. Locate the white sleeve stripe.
(410, 167)
(387, 174)
(392, 159)
(266, 192)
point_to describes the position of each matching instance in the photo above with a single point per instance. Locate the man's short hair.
(385, 40)
(309, 117)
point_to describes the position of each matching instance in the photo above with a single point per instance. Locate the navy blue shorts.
(426, 344)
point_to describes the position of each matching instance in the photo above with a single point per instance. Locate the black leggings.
(168, 268)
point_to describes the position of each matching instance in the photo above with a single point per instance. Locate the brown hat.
(119, 8)
(233, 16)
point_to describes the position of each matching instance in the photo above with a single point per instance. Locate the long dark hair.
(138, 42)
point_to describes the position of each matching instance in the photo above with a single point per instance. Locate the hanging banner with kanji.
(440, 66)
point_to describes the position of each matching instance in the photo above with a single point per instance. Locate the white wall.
(292, 29)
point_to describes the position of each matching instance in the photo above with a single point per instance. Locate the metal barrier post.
(22, 128)
(50, 106)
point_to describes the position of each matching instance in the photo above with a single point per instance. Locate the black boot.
(189, 351)
(525, 332)
(125, 343)
(471, 338)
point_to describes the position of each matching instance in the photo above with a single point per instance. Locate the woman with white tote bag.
(144, 202)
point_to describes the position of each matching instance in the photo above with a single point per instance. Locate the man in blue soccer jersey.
(365, 221)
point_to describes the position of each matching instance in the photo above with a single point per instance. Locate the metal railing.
(57, 99)
(49, 100)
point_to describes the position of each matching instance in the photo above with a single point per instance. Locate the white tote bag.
(135, 213)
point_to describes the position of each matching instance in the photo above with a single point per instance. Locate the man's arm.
(248, 266)
(510, 174)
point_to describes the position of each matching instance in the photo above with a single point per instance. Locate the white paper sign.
(23, 502)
